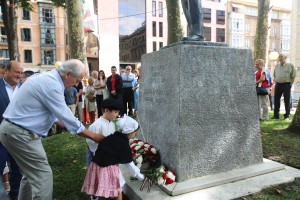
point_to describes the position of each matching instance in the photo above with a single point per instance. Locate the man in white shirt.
(36, 106)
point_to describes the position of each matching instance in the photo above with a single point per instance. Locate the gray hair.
(73, 66)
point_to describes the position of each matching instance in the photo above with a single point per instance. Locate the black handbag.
(262, 90)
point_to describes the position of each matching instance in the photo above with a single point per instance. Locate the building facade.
(242, 20)
(41, 36)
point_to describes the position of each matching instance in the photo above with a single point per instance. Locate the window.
(247, 43)
(251, 11)
(154, 46)
(160, 29)
(220, 35)
(207, 15)
(25, 34)
(153, 8)
(237, 40)
(47, 15)
(237, 24)
(48, 57)
(274, 46)
(25, 14)
(27, 56)
(67, 39)
(161, 44)
(207, 33)
(247, 28)
(273, 31)
(285, 46)
(4, 53)
(275, 14)
(220, 17)
(160, 7)
(154, 29)
(48, 36)
(3, 37)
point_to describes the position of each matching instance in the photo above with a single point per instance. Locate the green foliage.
(284, 147)
(66, 155)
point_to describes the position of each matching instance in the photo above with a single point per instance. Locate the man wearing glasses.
(127, 92)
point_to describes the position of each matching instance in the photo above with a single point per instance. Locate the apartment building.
(41, 36)
(242, 20)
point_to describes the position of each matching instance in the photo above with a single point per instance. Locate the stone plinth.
(198, 106)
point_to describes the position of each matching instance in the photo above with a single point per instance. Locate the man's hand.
(93, 136)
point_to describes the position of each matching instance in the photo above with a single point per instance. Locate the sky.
(128, 25)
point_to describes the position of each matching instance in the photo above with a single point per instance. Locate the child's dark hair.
(111, 104)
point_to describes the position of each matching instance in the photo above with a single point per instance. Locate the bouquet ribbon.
(149, 183)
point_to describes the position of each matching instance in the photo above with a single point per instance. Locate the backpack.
(268, 76)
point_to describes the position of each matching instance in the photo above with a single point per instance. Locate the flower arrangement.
(144, 152)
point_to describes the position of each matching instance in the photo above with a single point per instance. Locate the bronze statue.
(193, 12)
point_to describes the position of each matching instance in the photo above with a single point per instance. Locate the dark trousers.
(127, 94)
(99, 99)
(271, 101)
(15, 175)
(285, 89)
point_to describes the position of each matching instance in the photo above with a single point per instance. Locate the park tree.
(174, 24)
(260, 41)
(10, 24)
(294, 126)
(75, 18)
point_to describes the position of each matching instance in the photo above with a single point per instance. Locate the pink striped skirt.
(102, 181)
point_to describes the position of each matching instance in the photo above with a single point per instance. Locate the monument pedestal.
(227, 190)
(198, 106)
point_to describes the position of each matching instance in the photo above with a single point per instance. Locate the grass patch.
(66, 155)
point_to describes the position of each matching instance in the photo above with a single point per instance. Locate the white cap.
(127, 124)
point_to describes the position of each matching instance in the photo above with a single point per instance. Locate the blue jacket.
(4, 99)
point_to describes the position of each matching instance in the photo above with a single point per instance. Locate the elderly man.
(37, 105)
(9, 86)
(284, 76)
(127, 92)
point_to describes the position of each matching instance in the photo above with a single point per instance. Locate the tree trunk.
(10, 24)
(75, 19)
(295, 124)
(260, 41)
(174, 24)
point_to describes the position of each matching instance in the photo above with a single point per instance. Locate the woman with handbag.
(90, 100)
(262, 90)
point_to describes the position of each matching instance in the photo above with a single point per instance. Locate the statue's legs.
(193, 12)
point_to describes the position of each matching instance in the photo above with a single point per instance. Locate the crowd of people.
(272, 90)
(85, 98)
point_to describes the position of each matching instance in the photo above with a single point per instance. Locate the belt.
(17, 125)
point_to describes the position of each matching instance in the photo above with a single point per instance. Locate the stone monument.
(198, 105)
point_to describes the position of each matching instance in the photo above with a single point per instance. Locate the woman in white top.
(99, 86)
